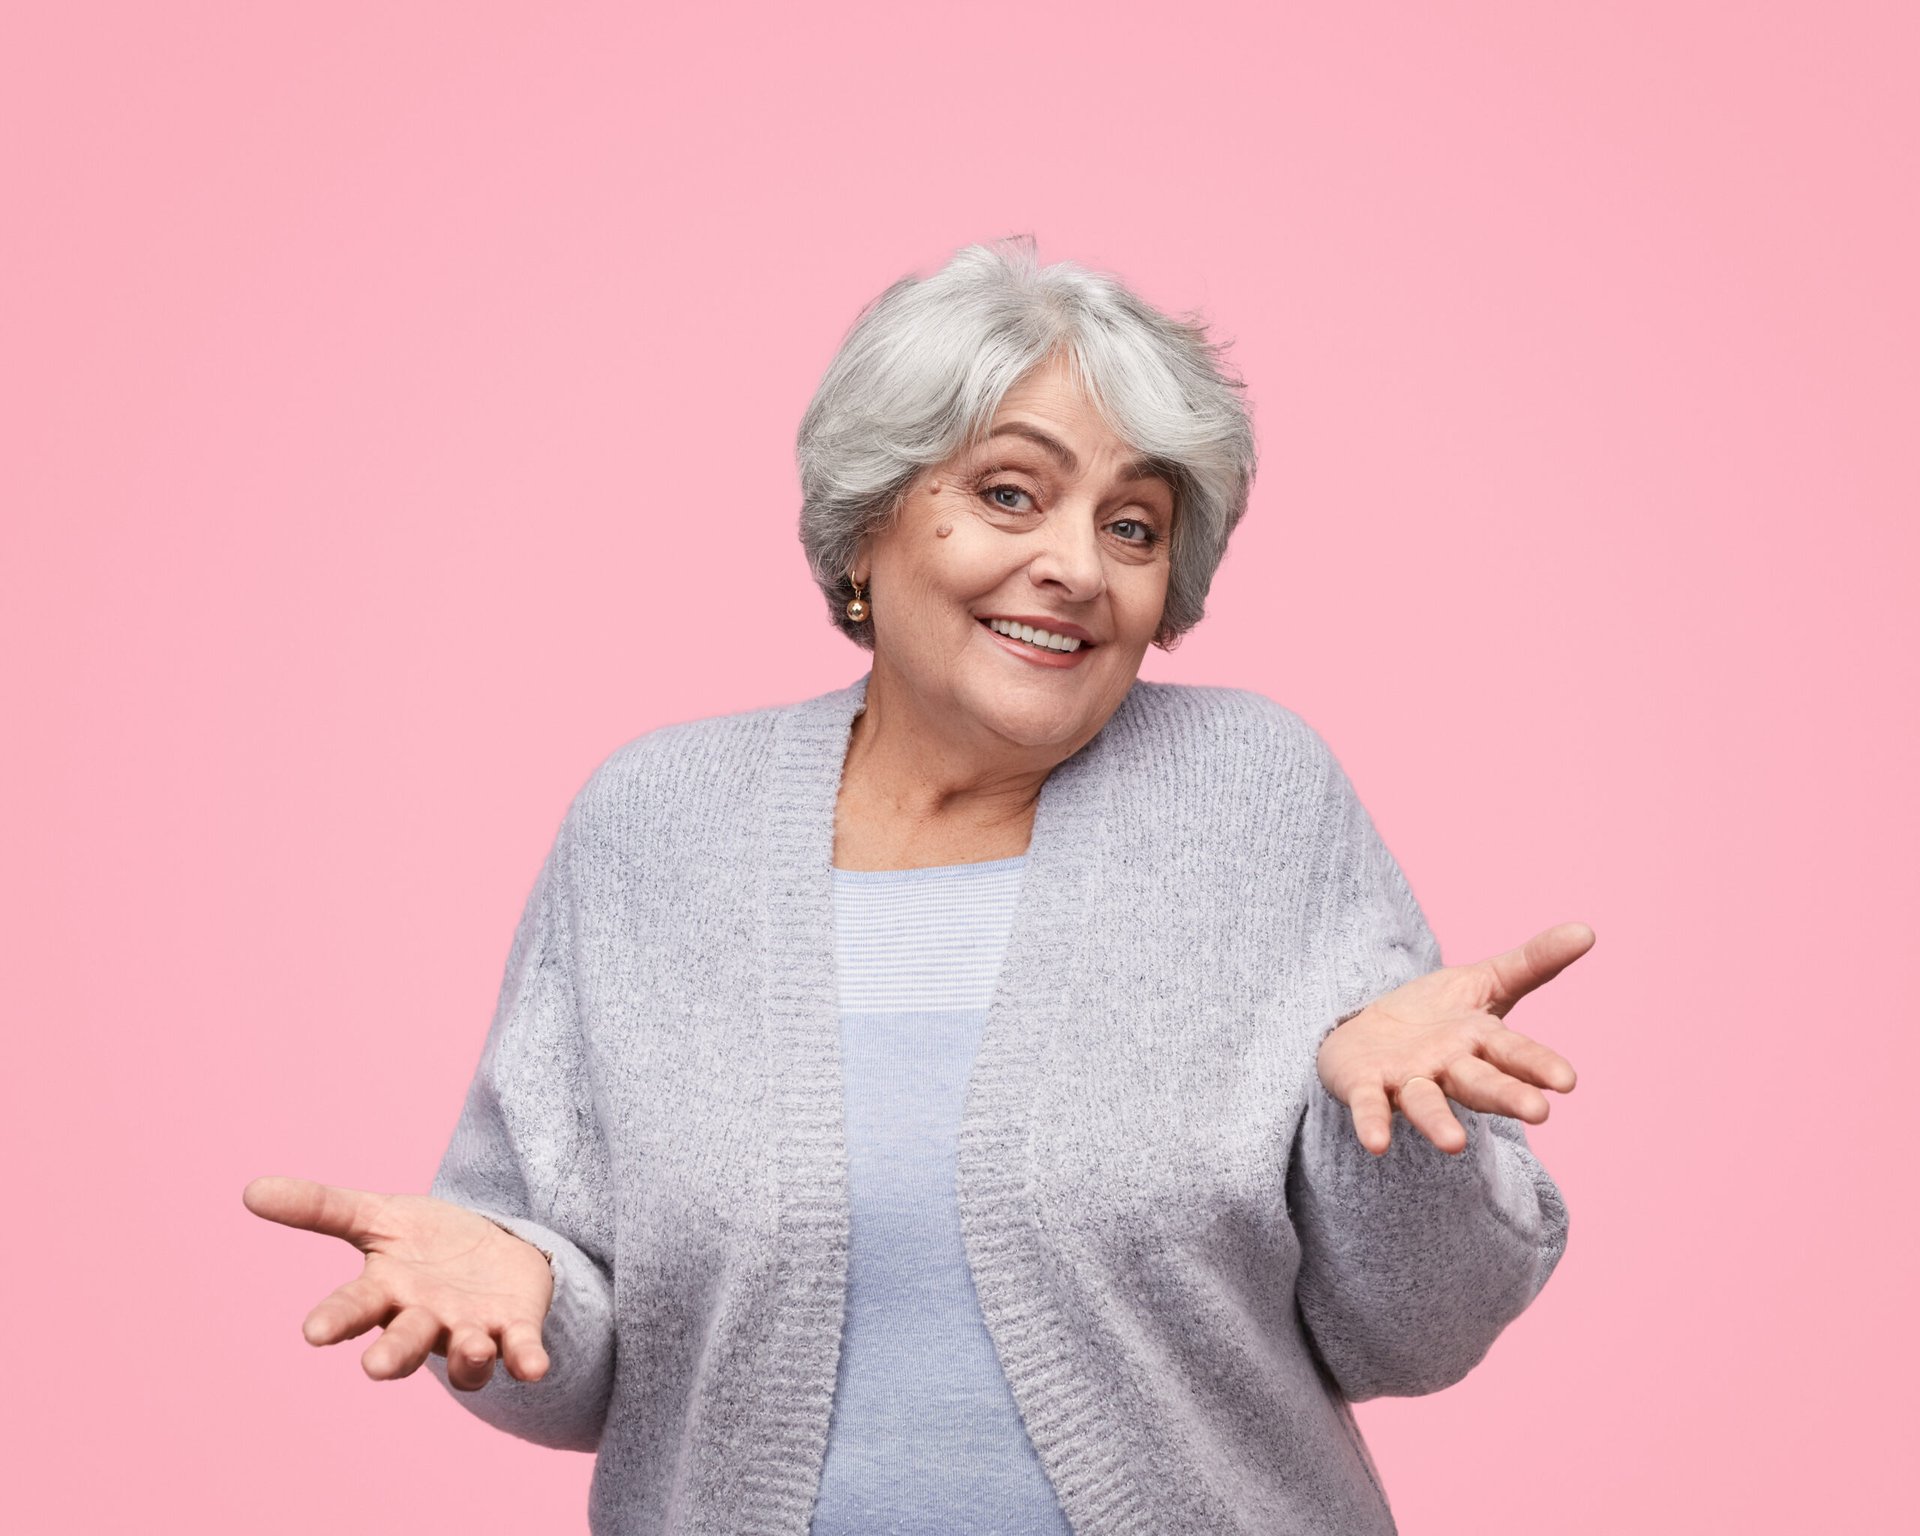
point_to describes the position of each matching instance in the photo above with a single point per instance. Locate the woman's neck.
(909, 800)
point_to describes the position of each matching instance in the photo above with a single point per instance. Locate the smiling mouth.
(1023, 634)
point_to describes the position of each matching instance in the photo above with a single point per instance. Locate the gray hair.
(923, 369)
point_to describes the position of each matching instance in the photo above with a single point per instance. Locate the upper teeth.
(1034, 636)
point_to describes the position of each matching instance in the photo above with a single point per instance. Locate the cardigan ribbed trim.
(1069, 1422)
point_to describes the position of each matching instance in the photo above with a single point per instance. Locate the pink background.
(399, 413)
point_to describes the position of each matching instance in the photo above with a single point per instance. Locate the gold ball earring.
(858, 609)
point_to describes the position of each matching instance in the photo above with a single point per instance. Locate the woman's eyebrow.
(1148, 468)
(1046, 440)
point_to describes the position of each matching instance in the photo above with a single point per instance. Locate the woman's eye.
(993, 492)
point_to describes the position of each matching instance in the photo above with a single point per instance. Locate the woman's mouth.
(1019, 640)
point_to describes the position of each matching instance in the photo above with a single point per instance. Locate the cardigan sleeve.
(528, 1154)
(1412, 1262)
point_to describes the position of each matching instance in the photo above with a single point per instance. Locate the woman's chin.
(1048, 711)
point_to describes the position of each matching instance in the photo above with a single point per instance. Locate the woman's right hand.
(439, 1279)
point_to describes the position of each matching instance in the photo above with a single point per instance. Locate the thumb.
(312, 1207)
(1516, 972)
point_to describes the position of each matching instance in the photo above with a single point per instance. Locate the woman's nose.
(1069, 557)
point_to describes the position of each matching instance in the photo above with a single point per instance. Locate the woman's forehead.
(1136, 465)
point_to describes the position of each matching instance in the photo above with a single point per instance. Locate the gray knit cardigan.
(1187, 1263)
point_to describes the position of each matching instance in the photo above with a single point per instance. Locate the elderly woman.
(965, 1101)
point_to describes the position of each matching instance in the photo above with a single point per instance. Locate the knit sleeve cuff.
(566, 1406)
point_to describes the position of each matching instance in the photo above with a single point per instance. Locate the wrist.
(528, 1241)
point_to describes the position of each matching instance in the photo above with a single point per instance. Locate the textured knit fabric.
(924, 1424)
(1187, 1263)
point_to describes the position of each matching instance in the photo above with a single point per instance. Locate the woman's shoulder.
(677, 764)
(1224, 768)
(1214, 724)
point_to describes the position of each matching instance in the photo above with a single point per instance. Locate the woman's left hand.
(1440, 1036)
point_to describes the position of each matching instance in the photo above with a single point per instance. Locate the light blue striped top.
(925, 1436)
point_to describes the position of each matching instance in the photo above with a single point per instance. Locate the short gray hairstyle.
(924, 368)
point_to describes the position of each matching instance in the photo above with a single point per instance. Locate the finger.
(470, 1356)
(348, 1312)
(1421, 1100)
(312, 1207)
(520, 1347)
(1535, 963)
(405, 1345)
(1372, 1118)
(1528, 1060)
(1483, 1086)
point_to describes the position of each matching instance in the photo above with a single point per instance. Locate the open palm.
(1441, 1036)
(438, 1279)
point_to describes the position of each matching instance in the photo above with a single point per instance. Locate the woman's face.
(1050, 522)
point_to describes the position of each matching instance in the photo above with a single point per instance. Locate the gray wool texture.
(1187, 1263)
